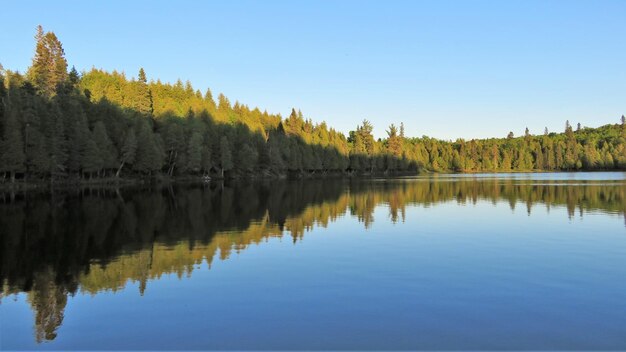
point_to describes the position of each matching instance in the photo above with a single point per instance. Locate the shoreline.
(114, 182)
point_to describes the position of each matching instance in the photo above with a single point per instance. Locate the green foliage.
(92, 158)
(226, 157)
(142, 99)
(57, 145)
(104, 145)
(394, 141)
(12, 156)
(129, 149)
(148, 158)
(247, 158)
(194, 153)
(56, 124)
(49, 67)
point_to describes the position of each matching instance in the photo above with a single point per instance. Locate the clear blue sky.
(447, 69)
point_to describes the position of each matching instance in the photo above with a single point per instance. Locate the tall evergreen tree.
(394, 143)
(49, 67)
(57, 145)
(3, 95)
(12, 156)
(247, 158)
(194, 152)
(105, 146)
(207, 158)
(77, 139)
(129, 150)
(92, 158)
(143, 99)
(226, 157)
(35, 145)
(148, 157)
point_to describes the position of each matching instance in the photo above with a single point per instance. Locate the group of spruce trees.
(56, 124)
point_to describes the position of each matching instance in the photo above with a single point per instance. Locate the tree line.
(58, 124)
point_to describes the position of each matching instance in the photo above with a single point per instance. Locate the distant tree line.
(56, 124)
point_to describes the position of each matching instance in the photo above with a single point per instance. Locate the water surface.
(489, 261)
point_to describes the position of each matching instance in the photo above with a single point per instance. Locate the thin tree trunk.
(117, 174)
(173, 164)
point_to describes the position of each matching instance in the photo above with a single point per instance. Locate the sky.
(446, 69)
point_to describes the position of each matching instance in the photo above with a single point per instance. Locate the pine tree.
(247, 158)
(143, 99)
(35, 146)
(226, 158)
(148, 157)
(77, 140)
(39, 73)
(3, 95)
(207, 160)
(73, 77)
(223, 107)
(92, 158)
(12, 156)
(194, 152)
(294, 123)
(527, 136)
(49, 67)
(129, 150)
(368, 138)
(394, 144)
(208, 98)
(174, 139)
(57, 146)
(568, 127)
(275, 148)
(105, 146)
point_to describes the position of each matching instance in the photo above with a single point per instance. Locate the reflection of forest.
(93, 240)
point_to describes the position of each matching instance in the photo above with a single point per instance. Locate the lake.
(475, 261)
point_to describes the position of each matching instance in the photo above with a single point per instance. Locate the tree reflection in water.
(56, 244)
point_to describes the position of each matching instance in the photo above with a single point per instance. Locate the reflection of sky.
(556, 176)
(478, 276)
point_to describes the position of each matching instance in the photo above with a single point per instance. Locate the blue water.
(551, 176)
(379, 268)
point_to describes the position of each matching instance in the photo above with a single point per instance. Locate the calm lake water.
(505, 261)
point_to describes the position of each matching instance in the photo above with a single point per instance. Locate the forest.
(57, 124)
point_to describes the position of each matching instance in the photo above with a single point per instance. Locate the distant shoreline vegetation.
(64, 127)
